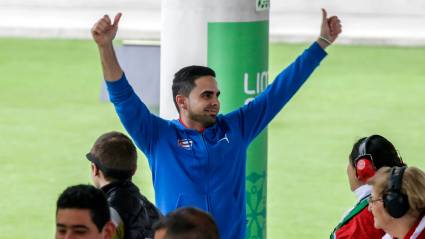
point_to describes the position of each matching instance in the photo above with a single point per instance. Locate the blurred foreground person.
(186, 223)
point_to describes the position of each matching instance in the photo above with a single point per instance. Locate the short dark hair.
(86, 197)
(383, 152)
(116, 152)
(188, 223)
(184, 80)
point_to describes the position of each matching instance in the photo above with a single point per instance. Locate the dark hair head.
(383, 152)
(115, 151)
(86, 197)
(188, 223)
(184, 80)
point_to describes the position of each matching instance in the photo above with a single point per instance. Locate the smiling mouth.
(212, 112)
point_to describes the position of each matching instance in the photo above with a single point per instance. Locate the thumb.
(324, 15)
(117, 19)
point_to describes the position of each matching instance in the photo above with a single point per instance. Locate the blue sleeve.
(254, 116)
(133, 113)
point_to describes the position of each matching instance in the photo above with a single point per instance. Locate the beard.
(205, 118)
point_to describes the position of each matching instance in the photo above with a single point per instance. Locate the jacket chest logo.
(225, 138)
(185, 143)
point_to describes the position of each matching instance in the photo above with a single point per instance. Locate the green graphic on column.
(238, 52)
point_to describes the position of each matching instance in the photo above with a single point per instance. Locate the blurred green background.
(50, 115)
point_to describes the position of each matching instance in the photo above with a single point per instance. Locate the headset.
(365, 168)
(396, 203)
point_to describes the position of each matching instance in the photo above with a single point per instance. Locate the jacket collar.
(363, 192)
(116, 184)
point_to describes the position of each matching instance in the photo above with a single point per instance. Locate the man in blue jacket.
(199, 159)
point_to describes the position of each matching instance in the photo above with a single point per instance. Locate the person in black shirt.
(113, 160)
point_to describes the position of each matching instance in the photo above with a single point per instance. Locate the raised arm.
(255, 115)
(133, 113)
(103, 33)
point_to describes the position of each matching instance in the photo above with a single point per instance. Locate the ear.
(94, 170)
(181, 102)
(109, 230)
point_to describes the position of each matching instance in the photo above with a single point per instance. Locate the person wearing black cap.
(113, 160)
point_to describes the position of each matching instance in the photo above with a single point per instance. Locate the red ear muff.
(364, 168)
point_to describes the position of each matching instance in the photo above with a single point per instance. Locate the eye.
(206, 95)
(80, 231)
(61, 231)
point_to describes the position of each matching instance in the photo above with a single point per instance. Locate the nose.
(215, 101)
(369, 207)
(69, 235)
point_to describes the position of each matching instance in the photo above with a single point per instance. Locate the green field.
(50, 115)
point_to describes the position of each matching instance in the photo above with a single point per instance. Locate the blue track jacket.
(207, 170)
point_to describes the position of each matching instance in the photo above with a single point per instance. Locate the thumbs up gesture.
(330, 29)
(104, 31)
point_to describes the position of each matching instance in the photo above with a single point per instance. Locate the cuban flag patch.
(185, 143)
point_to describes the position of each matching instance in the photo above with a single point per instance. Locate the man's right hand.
(104, 31)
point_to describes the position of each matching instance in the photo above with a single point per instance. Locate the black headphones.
(396, 202)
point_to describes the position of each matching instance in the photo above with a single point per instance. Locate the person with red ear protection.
(367, 156)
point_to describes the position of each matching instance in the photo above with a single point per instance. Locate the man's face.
(203, 105)
(76, 223)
